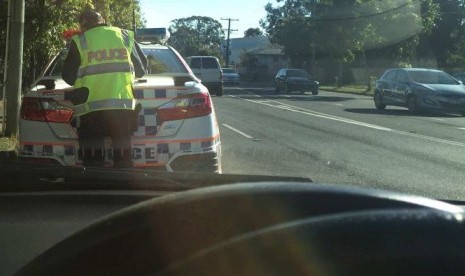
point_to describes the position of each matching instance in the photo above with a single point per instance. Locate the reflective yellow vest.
(106, 69)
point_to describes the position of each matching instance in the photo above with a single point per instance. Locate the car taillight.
(45, 110)
(191, 106)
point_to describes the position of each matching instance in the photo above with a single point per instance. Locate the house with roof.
(256, 56)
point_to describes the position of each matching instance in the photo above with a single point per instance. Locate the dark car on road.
(289, 80)
(420, 89)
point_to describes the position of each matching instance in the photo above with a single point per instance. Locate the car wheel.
(315, 92)
(412, 105)
(302, 92)
(276, 89)
(379, 101)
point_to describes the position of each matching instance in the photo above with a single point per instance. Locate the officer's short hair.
(89, 19)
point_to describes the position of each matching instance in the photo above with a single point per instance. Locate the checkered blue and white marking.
(146, 150)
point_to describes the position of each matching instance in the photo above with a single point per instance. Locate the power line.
(227, 41)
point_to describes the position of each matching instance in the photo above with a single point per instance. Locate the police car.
(177, 126)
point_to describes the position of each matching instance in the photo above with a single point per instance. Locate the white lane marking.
(317, 114)
(264, 101)
(338, 104)
(354, 122)
(238, 131)
(437, 119)
(462, 128)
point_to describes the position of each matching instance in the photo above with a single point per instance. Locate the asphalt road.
(341, 138)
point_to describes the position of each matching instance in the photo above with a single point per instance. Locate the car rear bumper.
(230, 80)
(203, 156)
(302, 86)
(208, 162)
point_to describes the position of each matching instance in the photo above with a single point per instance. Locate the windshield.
(348, 126)
(432, 77)
(229, 71)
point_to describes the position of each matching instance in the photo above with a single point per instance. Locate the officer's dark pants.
(97, 125)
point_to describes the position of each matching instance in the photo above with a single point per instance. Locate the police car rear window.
(163, 61)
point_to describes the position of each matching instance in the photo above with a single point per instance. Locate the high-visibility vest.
(106, 69)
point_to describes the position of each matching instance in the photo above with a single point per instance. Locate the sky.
(159, 13)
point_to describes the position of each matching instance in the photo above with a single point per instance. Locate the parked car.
(230, 76)
(460, 76)
(176, 131)
(289, 80)
(420, 89)
(208, 69)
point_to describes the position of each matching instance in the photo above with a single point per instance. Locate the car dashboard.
(175, 224)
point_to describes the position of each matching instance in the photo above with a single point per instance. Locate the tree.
(287, 25)
(248, 60)
(447, 40)
(119, 12)
(196, 35)
(253, 32)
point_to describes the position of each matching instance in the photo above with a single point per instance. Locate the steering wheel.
(266, 228)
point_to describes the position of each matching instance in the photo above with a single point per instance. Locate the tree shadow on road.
(399, 112)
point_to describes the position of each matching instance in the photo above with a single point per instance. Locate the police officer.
(101, 64)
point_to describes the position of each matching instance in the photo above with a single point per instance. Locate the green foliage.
(119, 12)
(3, 24)
(253, 32)
(248, 60)
(448, 35)
(45, 21)
(196, 35)
(344, 28)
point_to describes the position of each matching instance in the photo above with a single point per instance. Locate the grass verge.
(351, 89)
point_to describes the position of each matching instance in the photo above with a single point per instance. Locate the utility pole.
(134, 22)
(227, 41)
(198, 35)
(14, 65)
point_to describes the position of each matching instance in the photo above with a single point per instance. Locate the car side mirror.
(48, 83)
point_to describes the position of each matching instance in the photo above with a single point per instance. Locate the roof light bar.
(152, 35)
